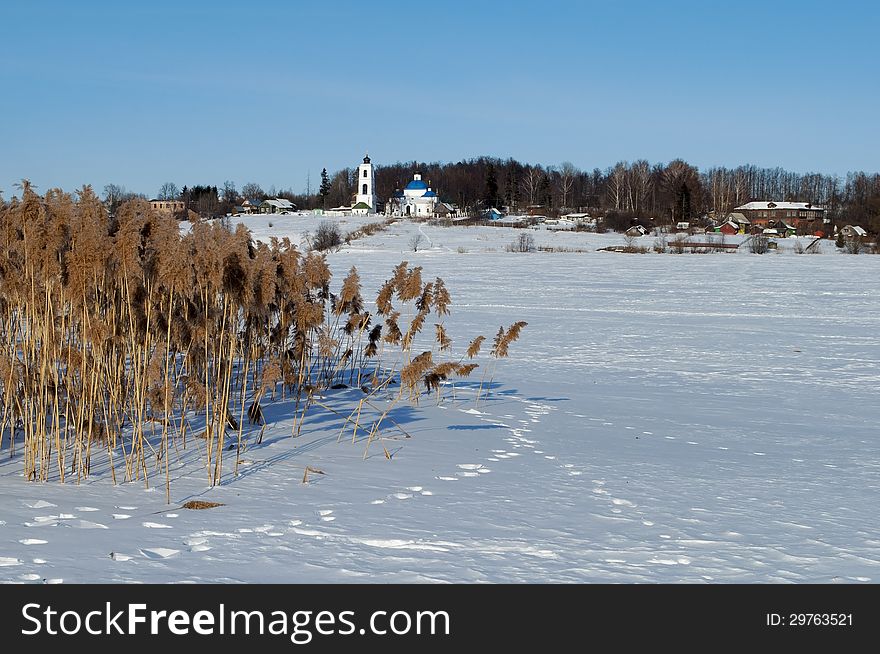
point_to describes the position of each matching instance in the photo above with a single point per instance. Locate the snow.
(663, 418)
(778, 205)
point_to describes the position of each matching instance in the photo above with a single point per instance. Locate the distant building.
(729, 228)
(803, 216)
(365, 197)
(416, 200)
(276, 205)
(853, 231)
(249, 206)
(168, 206)
(636, 230)
(493, 214)
(445, 210)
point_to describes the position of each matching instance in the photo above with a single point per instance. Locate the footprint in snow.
(158, 552)
(86, 524)
(39, 504)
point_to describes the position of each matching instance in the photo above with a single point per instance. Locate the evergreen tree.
(324, 190)
(510, 190)
(491, 194)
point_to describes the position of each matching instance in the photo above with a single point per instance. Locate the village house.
(277, 205)
(248, 206)
(802, 216)
(636, 230)
(853, 231)
(445, 210)
(167, 206)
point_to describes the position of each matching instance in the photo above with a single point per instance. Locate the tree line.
(626, 193)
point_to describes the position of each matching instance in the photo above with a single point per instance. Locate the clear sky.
(140, 93)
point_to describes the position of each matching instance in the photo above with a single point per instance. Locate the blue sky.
(200, 92)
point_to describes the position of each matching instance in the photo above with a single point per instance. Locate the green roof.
(361, 205)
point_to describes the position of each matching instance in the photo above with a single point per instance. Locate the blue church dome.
(416, 185)
(429, 194)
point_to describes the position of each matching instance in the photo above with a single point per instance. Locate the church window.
(364, 191)
(365, 172)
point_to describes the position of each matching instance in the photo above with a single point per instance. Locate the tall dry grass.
(123, 335)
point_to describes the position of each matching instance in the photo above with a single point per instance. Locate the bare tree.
(567, 175)
(253, 192)
(415, 242)
(168, 191)
(531, 182)
(639, 185)
(616, 183)
(230, 195)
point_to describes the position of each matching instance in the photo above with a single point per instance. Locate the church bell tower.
(366, 185)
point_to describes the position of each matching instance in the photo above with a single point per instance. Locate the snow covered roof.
(855, 229)
(739, 218)
(279, 203)
(753, 206)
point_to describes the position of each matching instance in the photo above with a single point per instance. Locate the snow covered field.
(663, 418)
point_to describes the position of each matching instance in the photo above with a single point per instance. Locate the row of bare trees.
(661, 193)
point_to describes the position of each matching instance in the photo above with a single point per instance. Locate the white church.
(416, 200)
